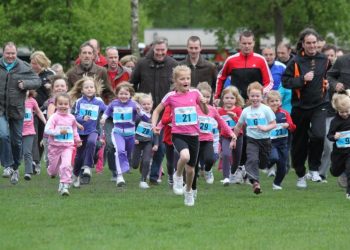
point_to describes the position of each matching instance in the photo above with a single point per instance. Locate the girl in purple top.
(87, 110)
(185, 129)
(124, 112)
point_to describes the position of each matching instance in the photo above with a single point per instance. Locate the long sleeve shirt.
(56, 124)
(88, 107)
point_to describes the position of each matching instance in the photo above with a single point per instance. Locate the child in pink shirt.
(62, 130)
(185, 128)
(28, 131)
(206, 137)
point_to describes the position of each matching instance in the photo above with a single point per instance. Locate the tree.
(60, 27)
(135, 26)
(283, 18)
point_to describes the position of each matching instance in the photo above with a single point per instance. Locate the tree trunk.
(279, 25)
(135, 28)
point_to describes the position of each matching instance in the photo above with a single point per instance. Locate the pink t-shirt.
(184, 111)
(31, 106)
(206, 124)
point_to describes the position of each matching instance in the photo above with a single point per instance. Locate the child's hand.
(336, 135)
(63, 131)
(102, 122)
(203, 100)
(156, 130)
(79, 143)
(232, 114)
(262, 128)
(233, 144)
(42, 143)
(86, 118)
(155, 148)
(81, 127)
(137, 142)
(285, 125)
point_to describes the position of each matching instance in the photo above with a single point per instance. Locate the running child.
(230, 112)
(62, 131)
(185, 128)
(279, 138)
(87, 111)
(59, 85)
(145, 142)
(259, 120)
(28, 133)
(339, 132)
(206, 139)
(124, 112)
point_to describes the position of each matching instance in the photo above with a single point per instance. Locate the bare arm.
(155, 117)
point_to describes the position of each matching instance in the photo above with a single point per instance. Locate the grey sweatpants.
(258, 152)
(27, 143)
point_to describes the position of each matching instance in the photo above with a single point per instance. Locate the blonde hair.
(235, 92)
(178, 69)
(40, 58)
(138, 97)
(125, 85)
(76, 91)
(128, 58)
(255, 86)
(341, 100)
(204, 86)
(273, 94)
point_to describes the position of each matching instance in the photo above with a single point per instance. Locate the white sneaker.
(76, 181)
(308, 176)
(271, 172)
(64, 189)
(178, 185)
(189, 199)
(301, 182)
(87, 171)
(60, 186)
(315, 176)
(7, 172)
(14, 177)
(276, 187)
(143, 185)
(86, 177)
(237, 178)
(347, 196)
(209, 177)
(226, 182)
(120, 181)
(195, 194)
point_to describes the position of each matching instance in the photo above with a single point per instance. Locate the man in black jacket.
(305, 75)
(16, 77)
(153, 74)
(201, 69)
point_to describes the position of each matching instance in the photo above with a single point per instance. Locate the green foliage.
(59, 27)
(100, 216)
(230, 16)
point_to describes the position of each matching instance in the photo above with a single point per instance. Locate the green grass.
(100, 216)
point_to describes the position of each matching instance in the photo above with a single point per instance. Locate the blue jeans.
(157, 160)
(11, 142)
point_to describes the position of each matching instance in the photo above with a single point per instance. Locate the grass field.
(100, 216)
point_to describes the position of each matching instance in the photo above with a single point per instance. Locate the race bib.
(122, 114)
(205, 124)
(28, 115)
(144, 129)
(344, 140)
(254, 120)
(230, 122)
(185, 116)
(66, 137)
(89, 110)
(279, 132)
